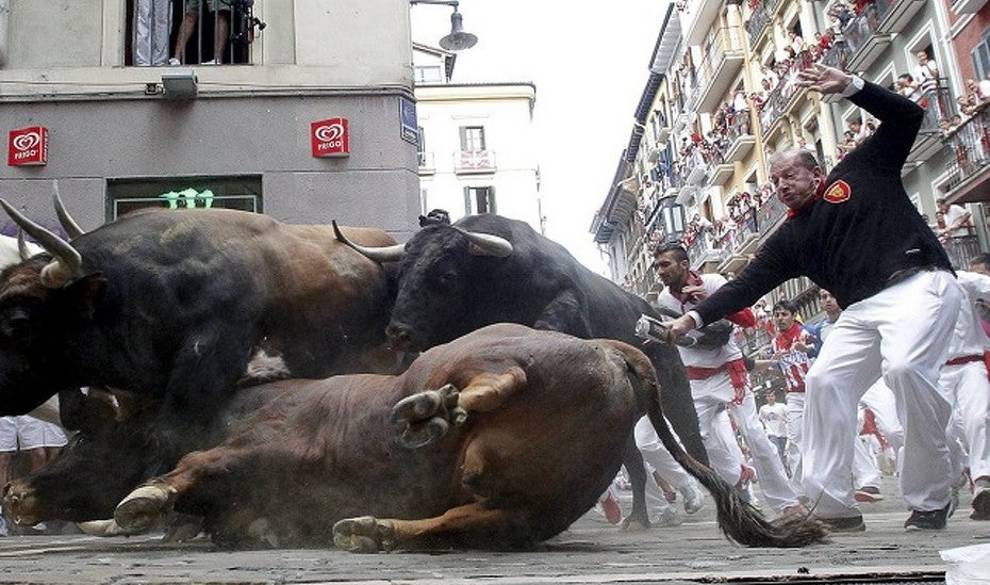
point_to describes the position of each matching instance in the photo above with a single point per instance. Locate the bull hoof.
(183, 528)
(365, 534)
(143, 508)
(631, 524)
(426, 417)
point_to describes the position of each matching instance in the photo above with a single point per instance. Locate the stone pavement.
(592, 551)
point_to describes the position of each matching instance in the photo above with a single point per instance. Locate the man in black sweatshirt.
(857, 234)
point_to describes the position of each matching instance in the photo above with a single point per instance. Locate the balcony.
(474, 162)
(722, 60)
(970, 165)
(769, 216)
(897, 15)
(741, 139)
(758, 22)
(961, 248)
(968, 6)
(938, 106)
(837, 55)
(695, 168)
(739, 242)
(427, 166)
(785, 96)
(863, 36)
(692, 91)
(698, 18)
(703, 250)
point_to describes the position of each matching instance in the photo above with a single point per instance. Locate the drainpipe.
(4, 25)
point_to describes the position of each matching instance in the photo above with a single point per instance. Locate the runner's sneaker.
(694, 498)
(668, 517)
(931, 520)
(981, 498)
(173, 61)
(613, 512)
(845, 524)
(868, 494)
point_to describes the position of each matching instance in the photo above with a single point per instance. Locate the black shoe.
(845, 524)
(933, 520)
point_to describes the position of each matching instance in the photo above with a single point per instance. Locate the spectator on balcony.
(221, 10)
(768, 75)
(968, 105)
(955, 122)
(856, 233)
(151, 29)
(926, 73)
(795, 42)
(958, 221)
(906, 86)
(824, 41)
(739, 104)
(983, 88)
(802, 143)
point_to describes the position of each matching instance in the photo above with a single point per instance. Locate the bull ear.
(86, 294)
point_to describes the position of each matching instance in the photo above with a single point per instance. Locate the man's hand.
(679, 326)
(695, 293)
(824, 80)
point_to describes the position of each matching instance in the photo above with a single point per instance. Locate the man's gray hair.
(803, 155)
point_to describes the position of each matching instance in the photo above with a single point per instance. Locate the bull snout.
(399, 336)
(18, 503)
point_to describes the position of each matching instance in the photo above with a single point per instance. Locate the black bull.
(455, 279)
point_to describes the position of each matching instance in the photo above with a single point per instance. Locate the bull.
(499, 439)
(487, 269)
(182, 306)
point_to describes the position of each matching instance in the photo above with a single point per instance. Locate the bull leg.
(471, 524)
(149, 503)
(425, 417)
(639, 518)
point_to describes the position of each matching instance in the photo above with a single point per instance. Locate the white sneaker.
(174, 61)
(668, 517)
(694, 498)
(210, 62)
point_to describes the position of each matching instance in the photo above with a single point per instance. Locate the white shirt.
(774, 419)
(702, 358)
(968, 337)
(953, 216)
(984, 88)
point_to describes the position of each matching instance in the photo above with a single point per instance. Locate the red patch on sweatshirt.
(838, 192)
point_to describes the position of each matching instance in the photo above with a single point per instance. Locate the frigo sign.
(330, 137)
(27, 146)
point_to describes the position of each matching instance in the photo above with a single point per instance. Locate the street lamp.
(457, 40)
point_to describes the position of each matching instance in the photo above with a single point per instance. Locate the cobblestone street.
(592, 551)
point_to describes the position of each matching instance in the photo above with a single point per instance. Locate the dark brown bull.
(499, 439)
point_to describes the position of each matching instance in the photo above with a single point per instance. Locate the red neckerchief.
(819, 193)
(787, 338)
(692, 280)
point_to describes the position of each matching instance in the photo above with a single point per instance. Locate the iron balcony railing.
(425, 159)
(837, 55)
(970, 144)
(746, 226)
(724, 39)
(776, 103)
(961, 249)
(865, 24)
(475, 161)
(759, 19)
(938, 106)
(769, 215)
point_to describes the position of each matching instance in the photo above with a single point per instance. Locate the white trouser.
(795, 432)
(866, 472)
(969, 386)
(712, 396)
(657, 455)
(880, 399)
(902, 332)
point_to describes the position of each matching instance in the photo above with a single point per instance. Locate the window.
(479, 200)
(472, 138)
(127, 195)
(156, 31)
(428, 74)
(981, 55)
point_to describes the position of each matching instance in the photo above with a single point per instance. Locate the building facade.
(477, 150)
(243, 137)
(722, 98)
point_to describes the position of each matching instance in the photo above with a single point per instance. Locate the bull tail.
(738, 520)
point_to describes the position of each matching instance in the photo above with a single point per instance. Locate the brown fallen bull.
(499, 439)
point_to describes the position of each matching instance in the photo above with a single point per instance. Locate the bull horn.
(22, 247)
(378, 254)
(487, 244)
(69, 259)
(68, 224)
